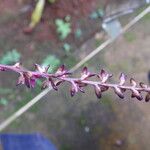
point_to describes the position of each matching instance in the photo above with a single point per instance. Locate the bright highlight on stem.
(78, 84)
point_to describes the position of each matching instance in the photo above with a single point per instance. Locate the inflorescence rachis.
(77, 84)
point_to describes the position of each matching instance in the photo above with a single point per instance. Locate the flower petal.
(59, 82)
(20, 80)
(81, 89)
(142, 85)
(47, 68)
(98, 91)
(104, 88)
(74, 88)
(17, 65)
(39, 68)
(104, 76)
(86, 74)
(122, 79)
(147, 98)
(136, 93)
(118, 92)
(27, 78)
(53, 84)
(61, 69)
(133, 82)
(72, 92)
(85, 70)
(62, 72)
(32, 82)
(45, 84)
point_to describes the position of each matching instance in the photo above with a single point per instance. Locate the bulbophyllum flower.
(85, 74)
(62, 75)
(62, 72)
(104, 76)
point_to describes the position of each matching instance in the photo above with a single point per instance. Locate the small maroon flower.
(86, 74)
(98, 91)
(119, 92)
(29, 80)
(62, 72)
(104, 76)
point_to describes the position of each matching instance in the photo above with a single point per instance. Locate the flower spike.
(62, 75)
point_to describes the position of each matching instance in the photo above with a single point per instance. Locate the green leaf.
(37, 13)
(3, 102)
(63, 28)
(94, 15)
(66, 47)
(98, 13)
(10, 57)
